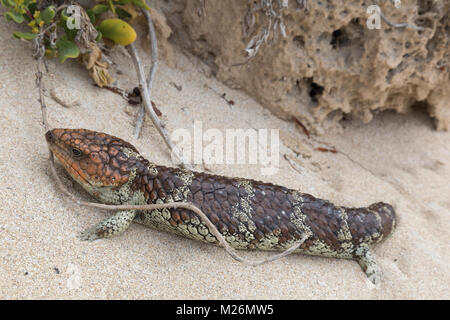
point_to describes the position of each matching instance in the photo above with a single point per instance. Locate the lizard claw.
(88, 235)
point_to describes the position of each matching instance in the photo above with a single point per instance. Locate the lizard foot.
(89, 235)
(366, 260)
(109, 227)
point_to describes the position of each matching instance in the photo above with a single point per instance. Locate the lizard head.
(94, 159)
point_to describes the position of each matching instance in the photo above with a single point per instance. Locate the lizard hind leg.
(109, 227)
(367, 261)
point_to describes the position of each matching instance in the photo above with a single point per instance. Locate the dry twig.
(274, 26)
(151, 75)
(40, 85)
(148, 106)
(39, 52)
(293, 164)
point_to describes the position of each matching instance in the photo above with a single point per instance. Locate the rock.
(329, 64)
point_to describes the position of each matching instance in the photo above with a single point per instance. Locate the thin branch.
(39, 82)
(152, 32)
(185, 205)
(148, 106)
(139, 121)
(151, 75)
(293, 165)
(39, 52)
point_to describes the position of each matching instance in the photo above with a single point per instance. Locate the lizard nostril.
(49, 136)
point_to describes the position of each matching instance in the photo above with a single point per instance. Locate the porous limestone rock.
(323, 63)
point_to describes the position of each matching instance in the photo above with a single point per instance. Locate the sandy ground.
(397, 158)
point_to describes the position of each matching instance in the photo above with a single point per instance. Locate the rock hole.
(315, 90)
(339, 38)
(299, 42)
(299, 87)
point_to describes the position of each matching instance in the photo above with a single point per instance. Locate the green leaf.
(48, 14)
(140, 4)
(32, 6)
(70, 33)
(66, 49)
(25, 35)
(64, 15)
(17, 17)
(7, 3)
(111, 5)
(91, 15)
(123, 14)
(99, 36)
(122, 2)
(99, 9)
(96, 11)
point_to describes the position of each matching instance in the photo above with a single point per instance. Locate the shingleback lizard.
(249, 214)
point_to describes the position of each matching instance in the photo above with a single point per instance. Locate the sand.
(398, 159)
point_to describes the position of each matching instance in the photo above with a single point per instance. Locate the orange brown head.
(94, 159)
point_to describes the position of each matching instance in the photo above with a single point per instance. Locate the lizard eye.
(76, 152)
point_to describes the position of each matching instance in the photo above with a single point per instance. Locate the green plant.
(54, 31)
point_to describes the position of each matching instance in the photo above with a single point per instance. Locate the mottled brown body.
(249, 214)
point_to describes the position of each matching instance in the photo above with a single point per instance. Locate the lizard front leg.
(109, 227)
